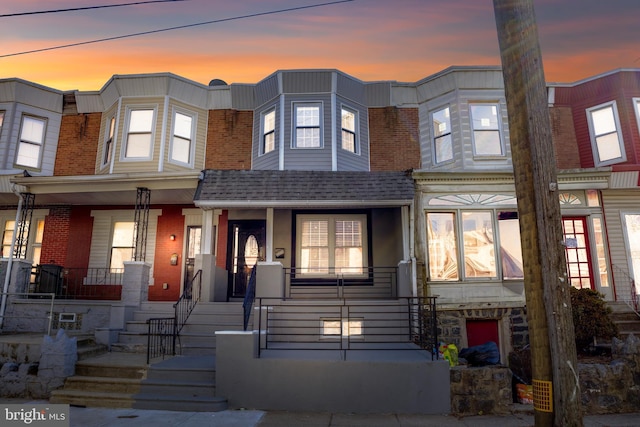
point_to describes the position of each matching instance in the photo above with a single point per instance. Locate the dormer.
(30, 117)
(311, 120)
(150, 123)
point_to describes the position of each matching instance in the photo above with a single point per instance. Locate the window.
(307, 126)
(631, 224)
(342, 327)
(2, 113)
(268, 132)
(476, 245)
(349, 142)
(331, 244)
(108, 143)
(7, 236)
(122, 245)
(606, 138)
(32, 133)
(181, 141)
(485, 125)
(442, 144)
(139, 134)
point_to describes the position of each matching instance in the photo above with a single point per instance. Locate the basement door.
(576, 239)
(245, 247)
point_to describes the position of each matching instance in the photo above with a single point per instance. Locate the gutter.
(7, 278)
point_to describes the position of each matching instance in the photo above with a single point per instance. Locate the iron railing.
(362, 282)
(343, 325)
(163, 333)
(626, 290)
(249, 297)
(77, 283)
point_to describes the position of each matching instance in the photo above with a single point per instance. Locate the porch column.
(269, 236)
(135, 283)
(214, 282)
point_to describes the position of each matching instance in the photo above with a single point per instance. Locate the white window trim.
(433, 135)
(294, 126)
(106, 161)
(125, 133)
(38, 215)
(636, 108)
(500, 131)
(356, 130)
(261, 142)
(632, 273)
(40, 145)
(192, 140)
(592, 136)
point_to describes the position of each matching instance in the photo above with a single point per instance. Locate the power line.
(39, 12)
(253, 15)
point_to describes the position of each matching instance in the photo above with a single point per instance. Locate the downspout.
(7, 278)
(412, 255)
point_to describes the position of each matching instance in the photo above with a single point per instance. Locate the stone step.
(628, 326)
(176, 388)
(103, 384)
(187, 403)
(109, 371)
(95, 399)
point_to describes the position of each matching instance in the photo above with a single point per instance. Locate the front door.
(576, 240)
(245, 247)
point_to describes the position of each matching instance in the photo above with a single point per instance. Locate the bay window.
(606, 137)
(32, 133)
(307, 118)
(442, 142)
(182, 139)
(139, 134)
(485, 126)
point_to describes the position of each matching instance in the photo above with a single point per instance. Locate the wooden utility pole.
(551, 335)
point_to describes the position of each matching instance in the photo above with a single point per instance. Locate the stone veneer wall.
(483, 390)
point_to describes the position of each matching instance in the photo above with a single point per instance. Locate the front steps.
(625, 318)
(123, 380)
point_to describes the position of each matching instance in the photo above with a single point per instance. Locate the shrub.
(590, 318)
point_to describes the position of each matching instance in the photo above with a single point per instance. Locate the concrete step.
(186, 403)
(92, 399)
(103, 384)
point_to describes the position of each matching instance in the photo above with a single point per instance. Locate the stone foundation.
(482, 390)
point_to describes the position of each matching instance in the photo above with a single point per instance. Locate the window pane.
(39, 231)
(510, 245)
(180, 149)
(479, 253)
(348, 141)
(139, 145)
(443, 257)
(315, 233)
(484, 117)
(348, 250)
(603, 121)
(632, 227)
(307, 116)
(308, 138)
(314, 260)
(444, 148)
(441, 122)
(140, 120)
(348, 233)
(348, 120)
(487, 143)
(123, 234)
(608, 147)
(600, 249)
(348, 260)
(119, 256)
(269, 121)
(28, 154)
(182, 126)
(32, 130)
(269, 142)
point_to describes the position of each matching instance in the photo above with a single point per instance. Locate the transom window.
(349, 142)
(268, 131)
(606, 138)
(442, 143)
(122, 244)
(331, 244)
(32, 132)
(108, 143)
(307, 125)
(139, 133)
(485, 125)
(181, 141)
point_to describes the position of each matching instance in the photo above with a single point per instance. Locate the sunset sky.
(403, 40)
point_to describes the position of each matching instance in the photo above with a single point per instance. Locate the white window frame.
(127, 132)
(445, 133)
(633, 262)
(332, 218)
(482, 128)
(355, 132)
(594, 137)
(109, 140)
(636, 108)
(267, 132)
(3, 115)
(295, 127)
(31, 143)
(191, 139)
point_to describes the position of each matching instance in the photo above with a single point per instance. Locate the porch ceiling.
(294, 188)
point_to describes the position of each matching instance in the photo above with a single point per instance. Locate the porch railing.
(626, 290)
(363, 282)
(163, 333)
(77, 283)
(343, 325)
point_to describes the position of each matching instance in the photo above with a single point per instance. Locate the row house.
(333, 187)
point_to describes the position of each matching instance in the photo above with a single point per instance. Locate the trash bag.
(481, 355)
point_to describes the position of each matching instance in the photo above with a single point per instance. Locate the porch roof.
(295, 188)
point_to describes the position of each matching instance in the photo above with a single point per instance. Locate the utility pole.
(551, 335)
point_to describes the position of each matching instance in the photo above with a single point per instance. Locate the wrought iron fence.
(77, 283)
(343, 325)
(361, 282)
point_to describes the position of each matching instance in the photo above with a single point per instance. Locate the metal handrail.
(335, 282)
(632, 302)
(342, 325)
(249, 297)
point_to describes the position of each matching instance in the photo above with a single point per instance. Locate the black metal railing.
(249, 297)
(163, 333)
(361, 282)
(343, 325)
(77, 283)
(626, 290)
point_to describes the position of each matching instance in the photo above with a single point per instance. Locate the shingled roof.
(228, 188)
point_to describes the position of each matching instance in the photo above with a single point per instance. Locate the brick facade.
(55, 239)
(229, 137)
(564, 138)
(78, 144)
(394, 139)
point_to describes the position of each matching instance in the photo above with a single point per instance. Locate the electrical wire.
(104, 6)
(253, 15)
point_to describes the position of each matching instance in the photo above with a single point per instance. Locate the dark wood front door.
(245, 247)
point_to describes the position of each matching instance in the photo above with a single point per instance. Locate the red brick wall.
(55, 239)
(564, 138)
(229, 140)
(79, 238)
(394, 139)
(78, 144)
(170, 222)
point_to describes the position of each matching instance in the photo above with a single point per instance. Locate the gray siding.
(307, 81)
(268, 161)
(350, 89)
(267, 90)
(348, 161)
(386, 237)
(378, 94)
(307, 158)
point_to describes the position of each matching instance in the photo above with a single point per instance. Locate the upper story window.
(108, 143)
(182, 138)
(442, 143)
(139, 134)
(32, 132)
(268, 142)
(349, 141)
(636, 105)
(1, 120)
(307, 118)
(606, 138)
(485, 125)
